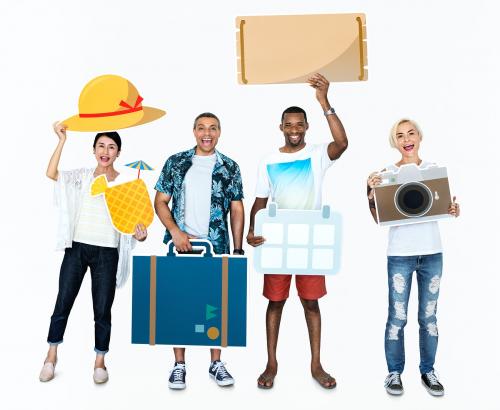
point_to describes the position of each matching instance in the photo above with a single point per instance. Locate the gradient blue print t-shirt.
(294, 180)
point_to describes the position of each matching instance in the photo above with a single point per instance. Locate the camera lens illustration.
(413, 199)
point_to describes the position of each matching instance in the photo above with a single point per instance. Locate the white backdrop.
(436, 62)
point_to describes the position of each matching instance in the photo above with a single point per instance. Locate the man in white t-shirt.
(204, 186)
(292, 177)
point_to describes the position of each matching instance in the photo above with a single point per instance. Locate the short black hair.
(293, 110)
(206, 115)
(110, 134)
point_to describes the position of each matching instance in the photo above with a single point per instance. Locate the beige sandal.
(48, 372)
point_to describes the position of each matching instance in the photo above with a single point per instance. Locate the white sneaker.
(47, 373)
(100, 375)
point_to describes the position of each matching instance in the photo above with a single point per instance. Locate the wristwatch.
(330, 112)
(239, 251)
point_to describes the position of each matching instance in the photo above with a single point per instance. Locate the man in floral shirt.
(204, 186)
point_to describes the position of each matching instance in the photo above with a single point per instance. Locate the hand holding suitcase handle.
(195, 243)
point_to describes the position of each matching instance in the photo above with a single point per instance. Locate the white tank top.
(414, 239)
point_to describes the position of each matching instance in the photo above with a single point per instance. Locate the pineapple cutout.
(128, 203)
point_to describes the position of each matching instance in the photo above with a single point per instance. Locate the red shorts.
(309, 287)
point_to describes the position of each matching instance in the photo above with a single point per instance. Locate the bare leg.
(51, 355)
(313, 320)
(273, 320)
(214, 354)
(179, 353)
(99, 361)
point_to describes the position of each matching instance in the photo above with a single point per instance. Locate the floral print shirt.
(226, 187)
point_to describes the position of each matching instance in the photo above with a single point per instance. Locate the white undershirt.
(198, 183)
(414, 239)
(94, 226)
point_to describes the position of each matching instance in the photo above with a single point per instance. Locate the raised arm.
(52, 168)
(180, 238)
(339, 143)
(259, 203)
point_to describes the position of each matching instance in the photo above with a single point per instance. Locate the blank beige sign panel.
(289, 49)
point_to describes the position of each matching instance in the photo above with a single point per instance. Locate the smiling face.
(207, 132)
(294, 127)
(105, 151)
(407, 140)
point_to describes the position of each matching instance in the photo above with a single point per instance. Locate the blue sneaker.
(219, 373)
(177, 379)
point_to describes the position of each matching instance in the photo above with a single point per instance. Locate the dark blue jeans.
(400, 271)
(102, 262)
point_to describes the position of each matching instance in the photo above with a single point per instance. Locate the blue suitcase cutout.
(189, 299)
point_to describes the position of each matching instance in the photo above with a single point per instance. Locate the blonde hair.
(394, 130)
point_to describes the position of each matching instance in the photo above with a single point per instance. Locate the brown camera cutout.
(412, 195)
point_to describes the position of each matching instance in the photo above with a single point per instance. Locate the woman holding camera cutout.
(411, 248)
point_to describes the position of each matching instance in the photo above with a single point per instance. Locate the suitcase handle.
(195, 243)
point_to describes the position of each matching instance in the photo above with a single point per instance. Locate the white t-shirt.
(414, 239)
(198, 184)
(294, 180)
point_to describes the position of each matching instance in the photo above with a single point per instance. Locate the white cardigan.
(69, 190)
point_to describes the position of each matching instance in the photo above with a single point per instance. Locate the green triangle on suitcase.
(209, 312)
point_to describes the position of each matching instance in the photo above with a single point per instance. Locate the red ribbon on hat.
(136, 107)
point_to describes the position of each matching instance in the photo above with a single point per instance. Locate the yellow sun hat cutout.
(128, 203)
(110, 102)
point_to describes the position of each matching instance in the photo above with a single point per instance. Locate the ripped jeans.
(400, 270)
